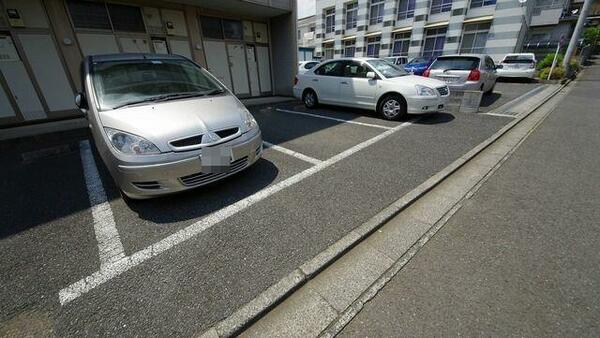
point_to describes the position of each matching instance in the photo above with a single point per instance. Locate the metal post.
(577, 32)
(554, 61)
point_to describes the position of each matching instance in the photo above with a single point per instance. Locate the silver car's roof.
(481, 56)
(133, 56)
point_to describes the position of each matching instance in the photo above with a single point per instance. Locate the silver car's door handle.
(343, 82)
(315, 80)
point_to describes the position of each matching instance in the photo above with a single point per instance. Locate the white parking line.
(115, 269)
(292, 153)
(334, 119)
(110, 247)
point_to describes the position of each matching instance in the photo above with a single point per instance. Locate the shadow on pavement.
(206, 199)
(517, 80)
(489, 99)
(435, 118)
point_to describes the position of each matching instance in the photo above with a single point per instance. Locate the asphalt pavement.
(48, 241)
(521, 257)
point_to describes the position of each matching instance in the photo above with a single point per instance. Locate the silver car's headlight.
(130, 144)
(249, 122)
(424, 91)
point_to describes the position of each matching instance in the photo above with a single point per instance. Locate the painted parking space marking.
(110, 247)
(290, 152)
(334, 119)
(116, 268)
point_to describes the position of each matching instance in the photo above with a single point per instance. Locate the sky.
(306, 8)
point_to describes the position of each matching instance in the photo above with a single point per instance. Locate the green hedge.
(557, 74)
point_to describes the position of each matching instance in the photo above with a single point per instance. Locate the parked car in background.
(397, 60)
(372, 84)
(303, 66)
(465, 72)
(418, 65)
(163, 124)
(518, 65)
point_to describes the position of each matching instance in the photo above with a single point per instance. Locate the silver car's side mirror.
(81, 102)
(371, 75)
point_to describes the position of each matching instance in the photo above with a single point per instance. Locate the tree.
(592, 36)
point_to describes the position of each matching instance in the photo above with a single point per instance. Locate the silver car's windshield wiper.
(213, 92)
(131, 103)
(167, 97)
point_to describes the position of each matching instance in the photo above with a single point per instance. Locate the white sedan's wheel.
(392, 108)
(310, 99)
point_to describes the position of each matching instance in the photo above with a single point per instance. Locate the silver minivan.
(162, 123)
(465, 72)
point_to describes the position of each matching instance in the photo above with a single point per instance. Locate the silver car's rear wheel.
(392, 107)
(310, 99)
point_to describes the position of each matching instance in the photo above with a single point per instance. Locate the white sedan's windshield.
(387, 69)
(120, 83)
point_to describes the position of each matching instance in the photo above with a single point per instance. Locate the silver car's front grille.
(197, 139)
(190, 141)
(204, 178)
(443, 90)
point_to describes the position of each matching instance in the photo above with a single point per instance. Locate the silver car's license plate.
(216, 160)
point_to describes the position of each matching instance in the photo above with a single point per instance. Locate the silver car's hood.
(418, 80)
(162, 122)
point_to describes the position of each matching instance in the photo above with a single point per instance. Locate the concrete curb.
(268, 299)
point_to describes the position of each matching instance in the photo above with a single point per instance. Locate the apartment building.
(553, 19)
(412, 28)
(42, 44)
(306, 38)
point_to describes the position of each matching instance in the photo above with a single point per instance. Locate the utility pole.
(577, 32)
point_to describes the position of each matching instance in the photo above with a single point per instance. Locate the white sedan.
(372, 84)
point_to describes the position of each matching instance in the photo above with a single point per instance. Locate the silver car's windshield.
(121, 83)
(387, 69)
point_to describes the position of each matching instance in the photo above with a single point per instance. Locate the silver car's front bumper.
(145, 181)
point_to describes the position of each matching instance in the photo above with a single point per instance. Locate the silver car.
(163, 124)
(465, 72)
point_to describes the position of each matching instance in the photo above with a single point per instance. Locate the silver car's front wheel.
(393, 108)
(310, 99)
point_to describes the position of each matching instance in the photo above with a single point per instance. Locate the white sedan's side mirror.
(371, 75)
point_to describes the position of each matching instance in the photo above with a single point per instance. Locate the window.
(489, 63)
(126, 18)
(355, 69)
(474, 37)
(387, 69)
(328, 51)
(376, 12)
(233, 29)
(401, 44)
(439, 6)
(351, 15)
(334, 68)
(456, 63)
(349, 48)
(373, 45)
(211, 27)
(481, 3)
(330, 20)
(309, 65)
(406, 9)
(434, 42)
(91, 15)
